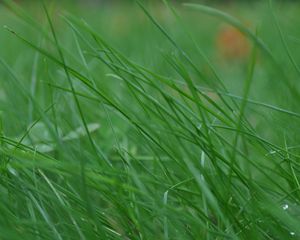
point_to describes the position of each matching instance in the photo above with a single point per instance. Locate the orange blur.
(232, 44)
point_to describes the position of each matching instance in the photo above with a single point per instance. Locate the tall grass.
(131, 142)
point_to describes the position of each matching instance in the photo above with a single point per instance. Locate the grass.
(130, 124)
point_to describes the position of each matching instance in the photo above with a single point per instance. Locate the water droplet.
(285, 207)
(292, 233)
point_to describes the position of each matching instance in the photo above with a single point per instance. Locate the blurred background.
(126, 27)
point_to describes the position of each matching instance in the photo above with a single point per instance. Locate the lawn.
(149, 120)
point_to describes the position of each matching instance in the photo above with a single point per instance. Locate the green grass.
(124, 122)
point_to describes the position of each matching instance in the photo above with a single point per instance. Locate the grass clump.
(147, 133)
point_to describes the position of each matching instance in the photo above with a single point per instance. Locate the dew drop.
(285, 207)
